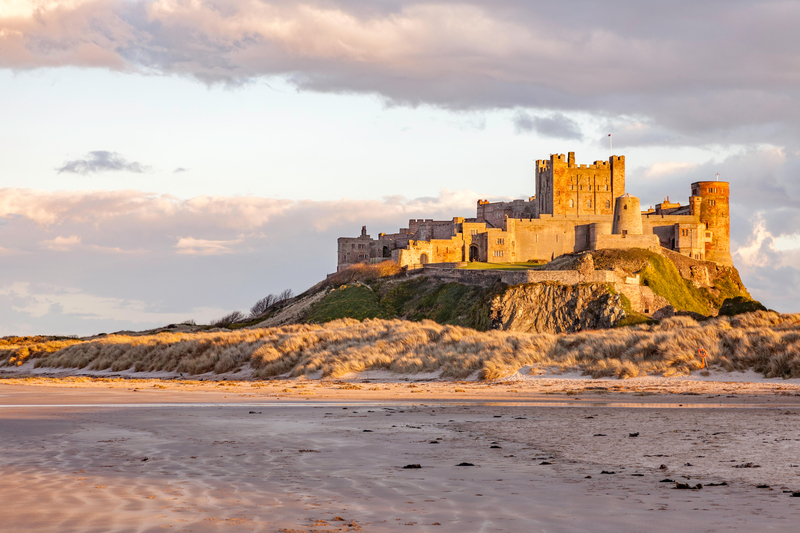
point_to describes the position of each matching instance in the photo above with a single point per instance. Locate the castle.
(576, 208)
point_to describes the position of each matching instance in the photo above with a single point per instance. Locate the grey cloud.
(179, 170)
(101, 161)
(762, 181)
(720, 71)
(556, 125)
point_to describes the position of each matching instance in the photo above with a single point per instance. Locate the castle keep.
(576, 208)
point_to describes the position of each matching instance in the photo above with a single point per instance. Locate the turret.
(714, 212)
(627, 216)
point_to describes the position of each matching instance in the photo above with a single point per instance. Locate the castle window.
(606, 186)
(352, 246)
(571, 187)
(572, 203)
(473, 232)
(712, 202)
(589, 204)
(608, 202)
(624, 207)
(501, 241)
(497, 253)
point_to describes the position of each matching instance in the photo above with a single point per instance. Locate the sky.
(166, 160)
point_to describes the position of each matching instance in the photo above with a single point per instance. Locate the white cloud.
(39, 300)
(62, 244)
(93, 261)
(192, 246)
(666, 168)
(787, 242)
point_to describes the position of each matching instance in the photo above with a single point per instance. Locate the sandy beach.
(549, 453)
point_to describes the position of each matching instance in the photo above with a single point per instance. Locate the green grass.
(451, 303)
(476, 265)
(416, 299)
(661, 275)
(349, 301)
(663, 278)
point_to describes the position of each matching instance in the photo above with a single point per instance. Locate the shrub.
(363, 272)
(230, 318)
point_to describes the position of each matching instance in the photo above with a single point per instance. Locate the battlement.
(710, 188)
(573, 210)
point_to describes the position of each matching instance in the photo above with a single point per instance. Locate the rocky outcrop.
(555, 308)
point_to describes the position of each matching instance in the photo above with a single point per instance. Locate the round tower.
(716, 215)
(627, 216)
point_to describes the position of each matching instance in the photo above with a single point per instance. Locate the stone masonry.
(576, 208)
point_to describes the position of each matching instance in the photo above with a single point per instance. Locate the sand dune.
(765, 342)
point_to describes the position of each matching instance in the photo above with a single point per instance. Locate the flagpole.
(610, 145)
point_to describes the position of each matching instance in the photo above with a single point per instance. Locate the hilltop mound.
(676, 285)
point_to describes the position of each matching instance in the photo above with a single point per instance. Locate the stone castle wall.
(573, 211)
(564, 188)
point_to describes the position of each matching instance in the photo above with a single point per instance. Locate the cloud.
(666, 168)
(702, 72)
(179, 170)
(192, 246)
(62, 244)
(556, 125)
(101, 161)
(41, 300)
(112, 260)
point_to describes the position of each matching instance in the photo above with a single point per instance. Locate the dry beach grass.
(766, 342)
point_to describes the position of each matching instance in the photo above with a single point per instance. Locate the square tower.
(566, 188)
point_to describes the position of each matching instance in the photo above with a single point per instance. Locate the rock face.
(556, 308)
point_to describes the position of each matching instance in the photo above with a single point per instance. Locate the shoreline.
(372, 387)
(78, 457)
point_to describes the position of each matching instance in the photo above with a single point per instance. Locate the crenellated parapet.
(577, 207)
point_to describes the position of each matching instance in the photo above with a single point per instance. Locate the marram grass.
(766, 342)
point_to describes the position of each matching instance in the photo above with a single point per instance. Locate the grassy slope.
(660, 274)
(415, 299)
(421, 298)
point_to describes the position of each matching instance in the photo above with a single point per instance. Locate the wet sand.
(305, 455)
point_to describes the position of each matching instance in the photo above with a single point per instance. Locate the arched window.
(608, 204)
(589, 204)
(572, 203)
